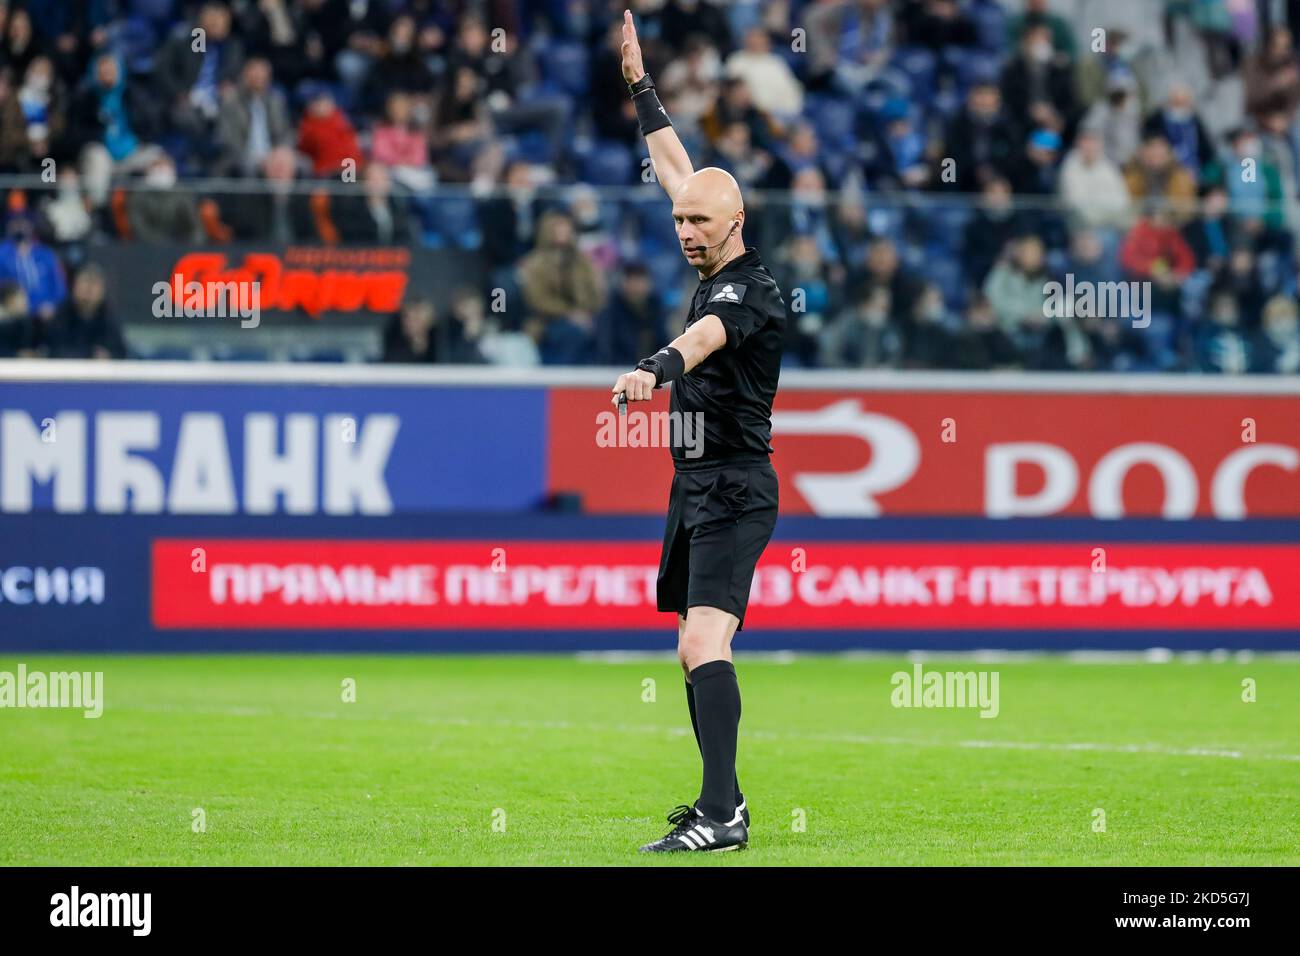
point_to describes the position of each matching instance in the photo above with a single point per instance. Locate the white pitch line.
(858, 739)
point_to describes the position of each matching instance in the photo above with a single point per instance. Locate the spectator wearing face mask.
(159, 212)
(1038, 75)
(1038, 13)
(1187, 136)
(1254, 187)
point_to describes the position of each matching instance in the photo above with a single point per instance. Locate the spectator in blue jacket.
(34, 266)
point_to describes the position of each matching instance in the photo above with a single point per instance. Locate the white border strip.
(305, 373)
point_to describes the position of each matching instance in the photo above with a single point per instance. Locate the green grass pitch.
(511, 760)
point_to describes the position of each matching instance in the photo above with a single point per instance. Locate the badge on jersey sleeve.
(728, 292)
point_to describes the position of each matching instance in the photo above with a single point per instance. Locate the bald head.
(711, 185)
(709, 214)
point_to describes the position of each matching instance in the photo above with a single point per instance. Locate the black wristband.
(667, 365)
(645, 83)
(650, 113)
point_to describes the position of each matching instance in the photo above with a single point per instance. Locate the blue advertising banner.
(98, 448)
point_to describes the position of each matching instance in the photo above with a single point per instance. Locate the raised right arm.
(667, 154)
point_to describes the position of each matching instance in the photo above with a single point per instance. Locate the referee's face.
(707, 213)
(696, 231)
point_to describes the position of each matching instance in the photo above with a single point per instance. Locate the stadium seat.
(978, 66)
(945, 270)
(324, 355)
(533, 146)
(834, 119)
(945, 223)
(137, 42)
(608, 164)
(885, 221)
(743, 15)
(891, 84)
(990, 24)
(566, 66)
(169, 353)
(455, 220)
(919, 65)
(946, 104)
(837, 165)
(223, 353)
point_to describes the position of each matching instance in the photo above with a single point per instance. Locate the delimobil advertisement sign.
(150, 283)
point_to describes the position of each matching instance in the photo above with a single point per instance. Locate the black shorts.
(720, 517)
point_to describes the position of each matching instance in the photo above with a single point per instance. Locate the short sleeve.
(740, 318)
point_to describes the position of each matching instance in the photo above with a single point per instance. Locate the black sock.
(695, 726)
(717, 705)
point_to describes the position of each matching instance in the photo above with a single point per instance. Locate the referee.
(723, 503)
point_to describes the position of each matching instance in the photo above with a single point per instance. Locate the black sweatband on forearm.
(667, 365)
(650, 113)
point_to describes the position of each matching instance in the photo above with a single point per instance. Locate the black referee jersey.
(733, 388)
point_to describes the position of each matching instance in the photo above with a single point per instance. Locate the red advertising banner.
(592, 585)
(966, 453)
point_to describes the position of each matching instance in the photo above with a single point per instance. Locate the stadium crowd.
(916, 171)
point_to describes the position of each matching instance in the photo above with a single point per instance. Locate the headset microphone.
(734, 224)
